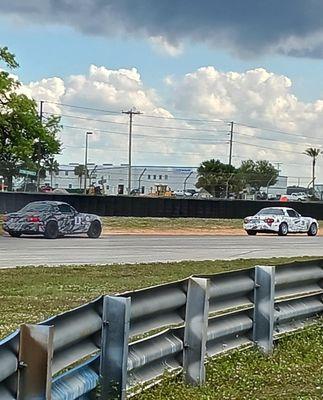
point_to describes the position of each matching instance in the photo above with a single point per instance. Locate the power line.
(274, 140)
(87, 118)
(274, 130)
(139, 125)
(120, 149)
(174, 128)
(268, 148)
(218, 120)
(152, 137)
(82, 108)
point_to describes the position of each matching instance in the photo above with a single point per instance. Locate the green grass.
(294, 371)
(129, 223)
(29, 295)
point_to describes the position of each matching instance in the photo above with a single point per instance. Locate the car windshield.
(36, 207)
(270, 211)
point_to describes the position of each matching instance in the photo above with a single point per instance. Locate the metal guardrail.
(120, 342)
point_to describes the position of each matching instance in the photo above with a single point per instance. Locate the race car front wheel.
(95, 230)
(51, 230)
(313, 230)
(14, 233)
(252, 233)
(283, 229)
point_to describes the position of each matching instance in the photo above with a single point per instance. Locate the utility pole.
(130, 113)
(39, 145)
(231, 141)
(278, 166)
(85, 158)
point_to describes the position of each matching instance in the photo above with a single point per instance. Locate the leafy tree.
(24, 140)
(79, 170)
(313, 153)
(257, 174)
(215, 177)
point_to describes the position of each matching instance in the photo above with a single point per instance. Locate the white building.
(114, 179)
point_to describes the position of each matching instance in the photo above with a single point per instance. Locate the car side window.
(292, 213)
(65, 209)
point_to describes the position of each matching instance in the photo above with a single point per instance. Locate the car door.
(295, 221)
(66, 218)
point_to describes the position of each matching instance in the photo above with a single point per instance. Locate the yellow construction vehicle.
(162, 191)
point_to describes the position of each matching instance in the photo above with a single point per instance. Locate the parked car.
(51, 219)
(46, 189)
(301, 196)
(281, 220)
(181, 193)
(294, 197)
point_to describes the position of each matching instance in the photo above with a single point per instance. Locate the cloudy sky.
(189, 67)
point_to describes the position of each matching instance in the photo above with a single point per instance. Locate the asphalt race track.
(144, 248)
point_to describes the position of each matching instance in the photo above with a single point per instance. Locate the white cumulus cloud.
(261, 103)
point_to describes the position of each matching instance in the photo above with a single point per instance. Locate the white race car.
(281, 220)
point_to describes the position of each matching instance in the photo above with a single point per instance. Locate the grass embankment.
(294, 372)
(29, 295)
(143, 224)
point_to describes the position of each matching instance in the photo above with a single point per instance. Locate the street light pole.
(85, 161)
(41, 110)
(140, 176)
(185, 182)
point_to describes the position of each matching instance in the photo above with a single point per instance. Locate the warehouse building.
(113, 179)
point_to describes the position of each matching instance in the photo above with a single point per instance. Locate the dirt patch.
(185, 232)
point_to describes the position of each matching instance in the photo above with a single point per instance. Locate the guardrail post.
(264, 301)
(35, 361)
(114, 351)
(195, 335)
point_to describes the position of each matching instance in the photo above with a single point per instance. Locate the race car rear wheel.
(95, 230)
(14, 233)
(313, 230)
(283, 229)
(51, 230)
(251, 233)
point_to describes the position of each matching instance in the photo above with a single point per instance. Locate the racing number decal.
(78, 220)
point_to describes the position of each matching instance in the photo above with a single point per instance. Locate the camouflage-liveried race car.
(51, 219)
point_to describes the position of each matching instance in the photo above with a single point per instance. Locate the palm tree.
(313, 153)
(52, 166)
(79, 170)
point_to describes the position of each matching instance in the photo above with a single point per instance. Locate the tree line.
(220, 179)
